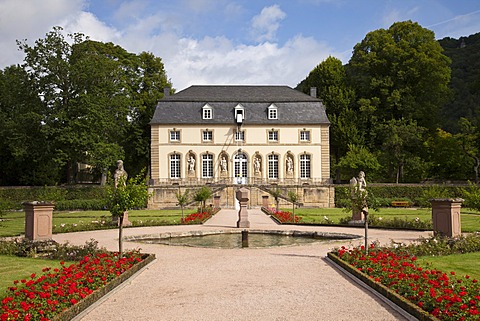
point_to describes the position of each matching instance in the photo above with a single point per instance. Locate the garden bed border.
(84, 304)
(393, 299)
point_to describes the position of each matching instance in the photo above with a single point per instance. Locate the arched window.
(240, 165)
(175, 166)
(207, 166)
(305, 166)
(273, 166)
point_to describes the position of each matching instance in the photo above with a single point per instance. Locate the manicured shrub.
(13, 197)
(416, 195)
(471, 194)
(81, 204)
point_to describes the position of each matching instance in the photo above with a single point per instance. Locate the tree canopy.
(86, 102)
(389, 107)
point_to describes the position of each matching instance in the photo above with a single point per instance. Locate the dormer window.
(239, 114)
(272, 112)
(207, 112)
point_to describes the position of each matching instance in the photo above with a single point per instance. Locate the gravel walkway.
(282, 283)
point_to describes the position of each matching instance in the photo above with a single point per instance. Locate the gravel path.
(283, 283)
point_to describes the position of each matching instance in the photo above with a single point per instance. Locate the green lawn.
(470, 218)
(18, 268)
(462, 264)
(14, 222)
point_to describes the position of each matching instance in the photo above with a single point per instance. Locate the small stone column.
(242, 197)
(265, 201)
(216, 201)
(38, 220)
(446, 216)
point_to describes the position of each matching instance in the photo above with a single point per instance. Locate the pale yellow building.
(260, 137)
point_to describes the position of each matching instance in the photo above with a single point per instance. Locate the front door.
(240, 165)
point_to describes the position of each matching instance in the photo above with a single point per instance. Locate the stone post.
(242, 197)
(446, 216)
(38, 220)
(216, 201)
(265, 201)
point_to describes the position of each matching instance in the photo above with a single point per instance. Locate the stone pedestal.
(38, 220)
(357, 215)
(216, 201)
(265, 201)
(446, 216)
(242, 196)
(126, 221)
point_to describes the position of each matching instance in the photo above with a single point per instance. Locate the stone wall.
(309, 196)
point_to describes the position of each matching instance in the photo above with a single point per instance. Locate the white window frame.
(175, 166)
(272, 166)
(207, 166)
(207, 135)
(305, 166)
(305, 135)
(272, 112)
(207, 112)
(240, 136)
(273, 135)
(239, 110)
(175, 135)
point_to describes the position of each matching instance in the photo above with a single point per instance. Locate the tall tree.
(329, 77)
(24, 150)
(47, 64)
(469, 140)
(402, 140)
(403, 71)
(446, 157)
(148, 85)
(97, 99)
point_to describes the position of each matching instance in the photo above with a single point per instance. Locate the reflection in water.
(226, 240)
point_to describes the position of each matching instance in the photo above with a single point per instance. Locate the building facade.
(262, 137)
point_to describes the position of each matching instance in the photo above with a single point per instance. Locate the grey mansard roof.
(294, 107)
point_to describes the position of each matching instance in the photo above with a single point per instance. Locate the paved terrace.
(282, 283)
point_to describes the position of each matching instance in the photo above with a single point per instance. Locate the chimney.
(166, 91)
(313, 92)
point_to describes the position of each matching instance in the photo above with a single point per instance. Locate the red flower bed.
(445, 296)
(43, 297)
(286, 217)
(197, 218)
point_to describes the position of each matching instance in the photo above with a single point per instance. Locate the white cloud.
(200, 5)
(30, 20)
(458, 26)
(188, 61)
(218, 61)
(396, 14)
(89, 25)
(266, 24)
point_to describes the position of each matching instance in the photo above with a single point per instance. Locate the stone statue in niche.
(289, 165)
(256, 164)
(223, 164)
(191, 163)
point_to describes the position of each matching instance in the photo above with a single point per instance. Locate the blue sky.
(230, 41)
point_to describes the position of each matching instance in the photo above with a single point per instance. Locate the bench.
(400, 203)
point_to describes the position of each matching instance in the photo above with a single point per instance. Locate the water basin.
(240, 239)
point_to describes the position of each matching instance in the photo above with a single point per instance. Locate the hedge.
(416, 195)
(13, 197)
